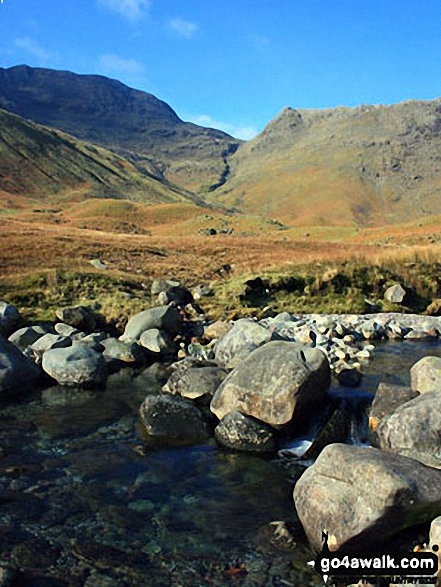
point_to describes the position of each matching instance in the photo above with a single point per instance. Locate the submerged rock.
(241, 432)
(17, 372)
(362, 497)
(166, 417)
(279, 383)
(77, 365)
(414, 429)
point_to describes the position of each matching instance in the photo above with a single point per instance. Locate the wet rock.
(77, 365)
(17, 372)
(363, 496)
(9, 318)
(48, 342)
(80, 317)
(372, 330)
(349, 377)
(196, 382)
(395, 294)
(279, 383)
(421, 335)
(425, 375)
(241, 432)
(158, 342)
(336, 429)
(388, 398)
(168, 417)
(162, 318)
(244, 337)
(414, 429)
(27, 336)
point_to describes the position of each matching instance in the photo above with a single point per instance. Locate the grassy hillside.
(38, 162)
(130, 122)
(370, 165)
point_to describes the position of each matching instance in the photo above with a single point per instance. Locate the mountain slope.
(133, 123)
(367, 165)
(37, 161)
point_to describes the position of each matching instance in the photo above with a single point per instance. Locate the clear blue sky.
(234, 64)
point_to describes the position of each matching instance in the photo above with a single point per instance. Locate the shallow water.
(84, 500)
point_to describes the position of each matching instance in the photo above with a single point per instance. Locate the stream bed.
(85, 501)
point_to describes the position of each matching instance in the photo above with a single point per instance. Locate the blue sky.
(234, 64)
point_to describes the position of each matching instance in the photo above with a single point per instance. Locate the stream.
(86, 501)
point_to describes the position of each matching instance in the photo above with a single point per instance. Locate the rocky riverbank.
(257, 386)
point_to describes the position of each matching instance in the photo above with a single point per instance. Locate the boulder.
(241, 432)
(80, 317)
(17, 372)
(195, 382)
(336, 429)
(425, 375)
(120, 353)
(244, 337)
(279, 383)
(50, 341)
(166, 417)
(27, 336)
(388, 398)
(414, 429)
(9, 318)
(217, 330)
(66, 330)
(76, 365)
(158, 342)
(395, 294)
(162, 318)
(362, 497)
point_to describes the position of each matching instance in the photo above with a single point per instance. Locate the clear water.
(85, 501)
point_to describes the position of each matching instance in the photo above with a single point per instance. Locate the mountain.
(37, 161)
(364, 166)
(132, 123)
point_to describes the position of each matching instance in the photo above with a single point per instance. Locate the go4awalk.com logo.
(421, 566)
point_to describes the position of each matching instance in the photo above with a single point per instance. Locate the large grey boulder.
(26, 336)
(9, 318)
(425, 375)
(241, 432)
(195, 382)
(388, 398)
(17, 372)
(363, 496)
(162, 318)
(165, 417)
(414, 429)
(278, 383)
(244, 337)
(395, 294)
(158, 343)
(76, 365)
(50, 341)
